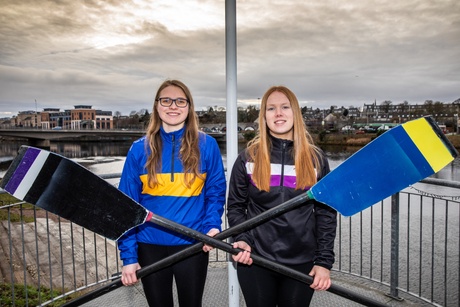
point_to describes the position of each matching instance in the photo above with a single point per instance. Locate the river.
(108, 157)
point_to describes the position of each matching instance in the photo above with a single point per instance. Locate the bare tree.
(386, 105)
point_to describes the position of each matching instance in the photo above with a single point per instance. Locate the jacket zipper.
(172, 157)
(282, 164)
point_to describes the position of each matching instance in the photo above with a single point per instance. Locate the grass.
(360, 140)
(24, 296)
(29, 296)
(15, 213)
(6, 199)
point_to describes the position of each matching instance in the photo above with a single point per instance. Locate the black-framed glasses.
(167, 102)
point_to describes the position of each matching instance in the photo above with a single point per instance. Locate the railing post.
(394, 261)
(231, 138)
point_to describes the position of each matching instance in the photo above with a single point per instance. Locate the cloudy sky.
(113, 54)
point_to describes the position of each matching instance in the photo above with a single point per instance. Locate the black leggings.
(189, 275)
(264, 288)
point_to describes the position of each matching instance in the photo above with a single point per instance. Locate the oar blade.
(67, 189)
(398, 158)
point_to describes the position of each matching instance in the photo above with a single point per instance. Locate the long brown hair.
(305, 153)
(189, 152)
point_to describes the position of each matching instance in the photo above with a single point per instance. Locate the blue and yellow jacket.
(199, 207)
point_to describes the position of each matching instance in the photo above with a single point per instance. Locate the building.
(443, 113)
(6, 123)
(52, 118)
(82, 117)
(104, 119)
(27, 119)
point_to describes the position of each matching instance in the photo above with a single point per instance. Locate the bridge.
(42, 138)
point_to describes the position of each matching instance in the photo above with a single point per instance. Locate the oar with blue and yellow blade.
(398, 158)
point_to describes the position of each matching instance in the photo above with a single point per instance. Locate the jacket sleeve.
(237, 202)
(131, 185)
(215, 186)
(326, 224)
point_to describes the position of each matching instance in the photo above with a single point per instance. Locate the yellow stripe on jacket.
(166, 187)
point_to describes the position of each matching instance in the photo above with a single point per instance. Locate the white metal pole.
(232, 126)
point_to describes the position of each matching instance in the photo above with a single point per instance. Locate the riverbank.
(363, 139)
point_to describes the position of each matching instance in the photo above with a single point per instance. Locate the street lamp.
(456, 123)
(36, 121)
(456, 120)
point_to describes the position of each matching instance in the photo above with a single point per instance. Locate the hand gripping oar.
(413, 151)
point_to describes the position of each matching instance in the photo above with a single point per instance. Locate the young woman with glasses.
(176, 172)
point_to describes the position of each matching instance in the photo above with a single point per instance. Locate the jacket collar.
(277, 143)
(169, 136)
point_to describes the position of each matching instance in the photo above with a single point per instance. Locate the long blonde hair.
(189, 152)
(305, 153)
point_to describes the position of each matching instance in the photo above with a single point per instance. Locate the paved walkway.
(216, 293)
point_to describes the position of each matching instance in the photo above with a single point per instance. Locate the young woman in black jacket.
(279, 164)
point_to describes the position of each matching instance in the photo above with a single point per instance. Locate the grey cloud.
(329, 52)
(342, 54)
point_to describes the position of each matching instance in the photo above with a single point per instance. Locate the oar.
(398, 158)
(49, 180)
(195, 248)
(246, 225)
(260, 260)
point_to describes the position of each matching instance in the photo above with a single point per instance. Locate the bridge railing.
(409, 243)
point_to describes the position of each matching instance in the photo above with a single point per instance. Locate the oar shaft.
(289, 205)
(249, 224)
(258, 260)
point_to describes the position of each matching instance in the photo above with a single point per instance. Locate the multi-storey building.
(82, 117)
(52, 118)
(29, 119)
(104, 119)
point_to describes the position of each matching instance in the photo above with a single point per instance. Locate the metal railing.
(409, 242)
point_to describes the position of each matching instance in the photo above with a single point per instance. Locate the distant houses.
(85, 117)
(446, 114)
